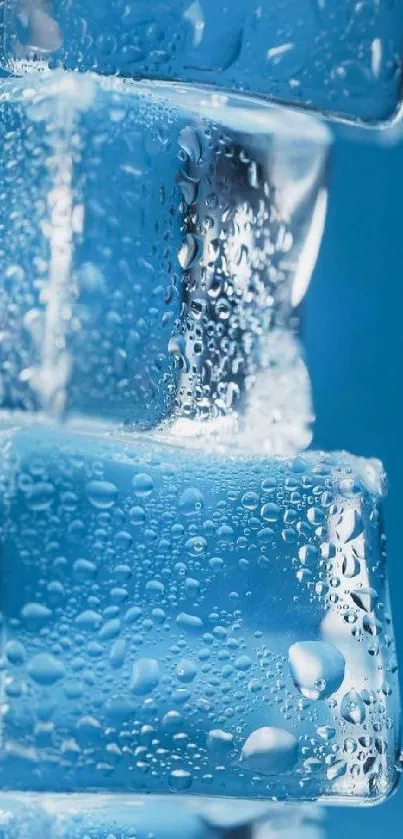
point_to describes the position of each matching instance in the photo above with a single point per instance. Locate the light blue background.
(354, 342)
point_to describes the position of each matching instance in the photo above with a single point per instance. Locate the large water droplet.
(102, 494)
(317, 668)
(364, 598)
(179, 780)
(186, 670)
(219, 741)
(40, 496)
(45, 669)
(188, 252)
(143, 485)
(189, 622)
(352, 708)
(145, 676)
(269, 751)
(350, 526)
(35, 615)
(189, 142)
(191, 501)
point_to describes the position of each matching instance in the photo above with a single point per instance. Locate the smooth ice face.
(338, 57)
(155, 244)
(178, 621)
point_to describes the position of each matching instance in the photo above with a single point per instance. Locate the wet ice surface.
(156, 242)
(183, 622)
(342, 57)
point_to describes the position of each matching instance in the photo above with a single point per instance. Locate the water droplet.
(326, 732)
(352, 708)
(317, 668)
(270, 512)
(243, 663)
(186, 670)
(145, 676)
(117, 653)
(189, 141)
(110, 630)
(143, 485)
(45, 669)
(351, 566)
(220, 741)
(191, 501)
(89, 620)
(189, 622)
(188, 187)
(102, 494)
(35, 615)
(196, 545)
(337, 770)
(188, 252)
(364, 598)
(349, 526)
(180, 780)
(40, 496)
(270, 751)
(15, 652)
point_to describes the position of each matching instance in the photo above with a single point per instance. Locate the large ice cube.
(155, 241)
(343, 57)
(193, 622)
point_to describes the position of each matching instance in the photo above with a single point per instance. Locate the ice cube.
(178, 620)
(156, 243)
(343, 58)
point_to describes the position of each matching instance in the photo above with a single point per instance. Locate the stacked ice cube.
(338, 57)
(191, 603)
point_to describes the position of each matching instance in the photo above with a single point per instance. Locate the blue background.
(354, 344)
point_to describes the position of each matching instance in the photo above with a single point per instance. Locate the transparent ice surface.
(338, 56)
(193, 622)
(156, 242)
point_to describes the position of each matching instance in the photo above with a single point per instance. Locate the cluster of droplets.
(154, 595)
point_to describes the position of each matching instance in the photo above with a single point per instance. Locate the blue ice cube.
(339, 57)
(154, 245)
(194, 622)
